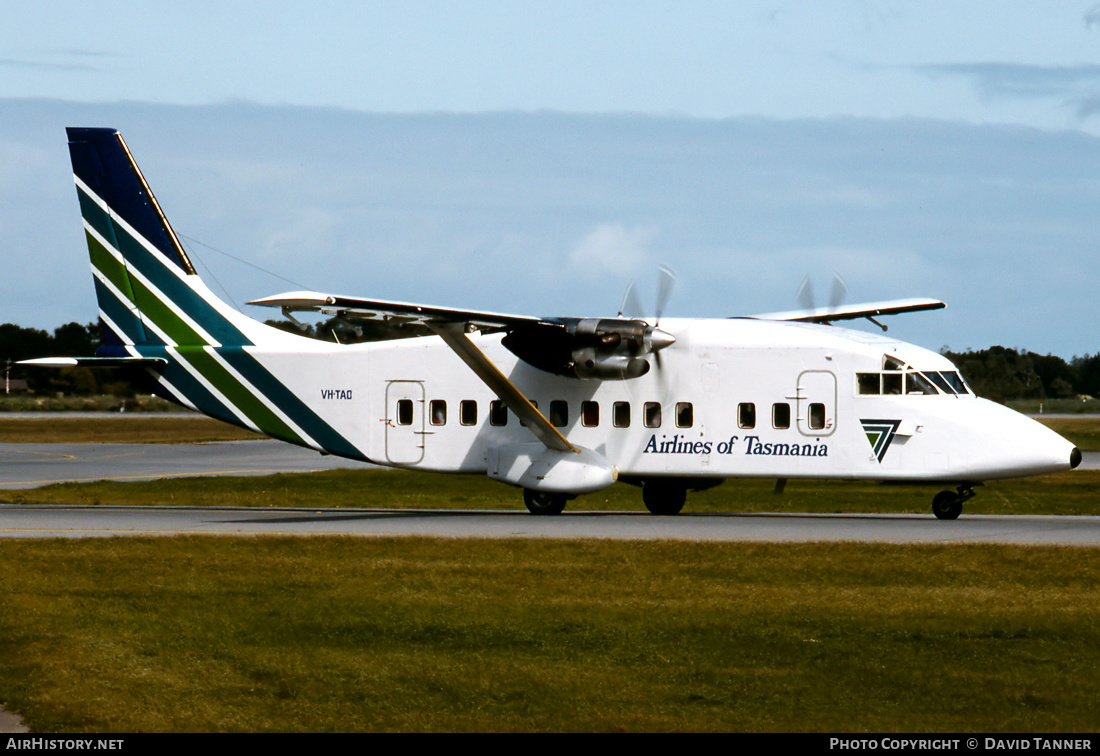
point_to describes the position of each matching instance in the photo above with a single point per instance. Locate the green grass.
(145, 428)
(1058, 406)
(339, 634)
(1083, 432)
(1071, 493)
(97, 403)
(342, 634)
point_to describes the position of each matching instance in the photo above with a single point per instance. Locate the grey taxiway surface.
(30, 465)
(33, 465)
(22, 521)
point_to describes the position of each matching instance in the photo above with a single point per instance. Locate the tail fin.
(156, 312)
(147, 288)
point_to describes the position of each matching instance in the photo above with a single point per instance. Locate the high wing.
(600, 348)
(868, 310)
(451, 325)
(398, 313)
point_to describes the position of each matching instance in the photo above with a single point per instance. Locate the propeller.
(836, 294)
(632, 308)
(666, 281)
(655, 339)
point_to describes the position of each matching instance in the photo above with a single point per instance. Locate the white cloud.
(613, 248)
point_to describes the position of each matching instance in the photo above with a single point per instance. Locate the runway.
(30, 521)
(25, 466)
(33, 465)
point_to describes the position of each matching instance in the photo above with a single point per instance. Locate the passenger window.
(620, 414)
(652, 415)
(404, 412)
(467, 412)
(533, 404)
(498, 413)
(685, 415)
(781, 416)
(817, 416)
(590, 414)
(438, 410)
(559, 413)
(746, 415)
(868, 383)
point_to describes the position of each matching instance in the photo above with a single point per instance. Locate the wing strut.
(454, 335)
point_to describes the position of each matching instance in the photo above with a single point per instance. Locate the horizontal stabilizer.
(95, 362)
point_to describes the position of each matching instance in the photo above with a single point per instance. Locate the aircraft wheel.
(947, 505)
(663, 498)
(543, 503)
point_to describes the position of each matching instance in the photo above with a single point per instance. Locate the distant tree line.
(1003, 374)
(76, 340)
(345, 332)
(996, 373)
(70, 340)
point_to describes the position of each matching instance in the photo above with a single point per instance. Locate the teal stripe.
(179, 293)
(123, 317)
(240, 395)
(167, 281)
(289, 403)
(96, 217)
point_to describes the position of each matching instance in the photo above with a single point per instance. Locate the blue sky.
(925, 149)
(1000, 61)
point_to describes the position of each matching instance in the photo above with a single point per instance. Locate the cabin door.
(816, 403)
(405, 422)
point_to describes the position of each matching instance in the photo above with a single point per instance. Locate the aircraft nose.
(1074, 458)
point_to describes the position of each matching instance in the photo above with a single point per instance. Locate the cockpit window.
(916, 383)
(909, 381)
(955, 381)
(891, 383)
(898, 378)
(940, 381)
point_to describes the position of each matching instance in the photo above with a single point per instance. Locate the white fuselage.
(737, 398)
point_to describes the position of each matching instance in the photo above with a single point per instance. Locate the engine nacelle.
(587, 363)
(608, 348)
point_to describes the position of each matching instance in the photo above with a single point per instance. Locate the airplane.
(555, 406)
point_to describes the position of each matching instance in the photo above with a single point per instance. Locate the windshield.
(899, 378)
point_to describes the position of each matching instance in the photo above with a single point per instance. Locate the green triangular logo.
(880, 434)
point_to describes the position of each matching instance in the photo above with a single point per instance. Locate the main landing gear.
(661, 496)
(543, 503)
(664, 497)
(947, 505)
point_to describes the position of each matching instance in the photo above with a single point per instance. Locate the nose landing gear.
(947, 505)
